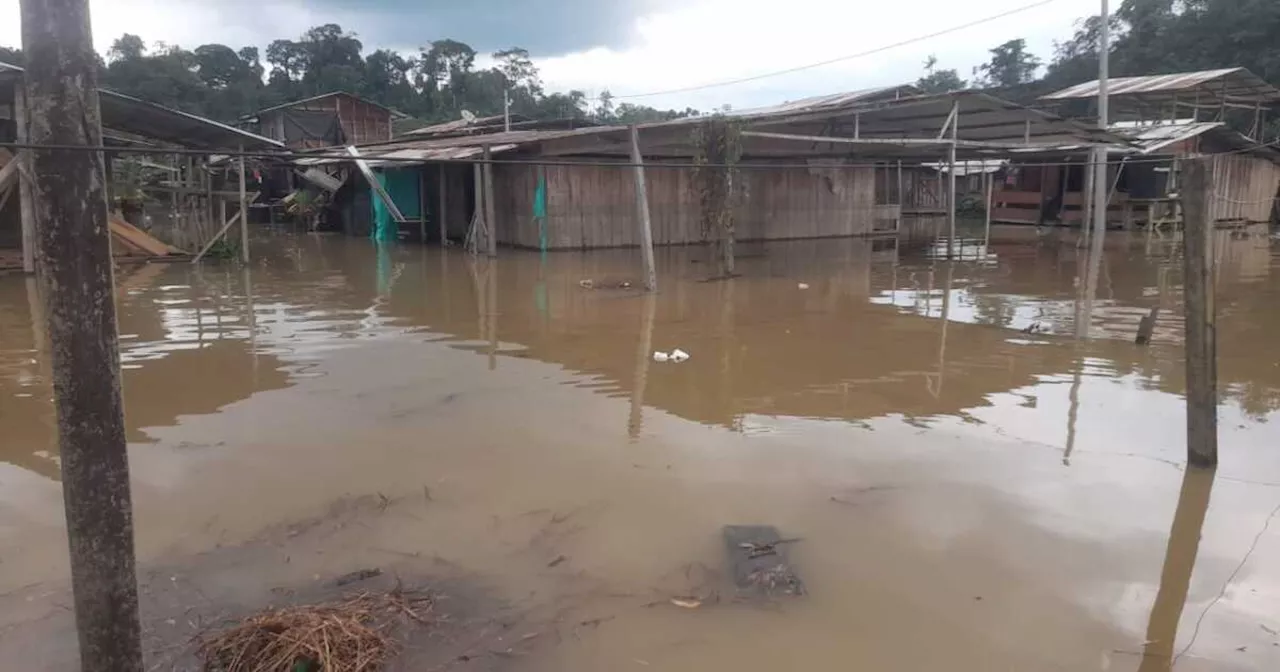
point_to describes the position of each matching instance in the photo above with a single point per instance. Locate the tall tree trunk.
(73, 261)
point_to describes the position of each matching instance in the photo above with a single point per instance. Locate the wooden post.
(489, 205)
(422, 203)
(951, 200)
(902, 199)
(73, 255)
(444, 206)
(1147, 326)
(642, 213)
(244, 212)
(1201, 316)
(1086, 204)
(477, 216)
(26, 194)
(206, 173)
(988, 180)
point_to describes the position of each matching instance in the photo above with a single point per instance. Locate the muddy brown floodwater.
(975, 487)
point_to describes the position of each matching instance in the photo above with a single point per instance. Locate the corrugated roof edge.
(395, 114)
(1170, 82)
(186, 115)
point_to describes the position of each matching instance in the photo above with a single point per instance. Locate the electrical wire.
(838, 59)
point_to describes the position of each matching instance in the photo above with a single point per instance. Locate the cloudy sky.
(628, 46)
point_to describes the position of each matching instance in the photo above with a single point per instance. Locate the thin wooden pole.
(489, 205)
(951, 200)
(444, 205)
(73, 255)
(26, 194)
(244, 213)
(642, 214)
(422, 203)
(477, 214)
(987, 178)
(1200, 317)
(206, 173)
(902, 200)
(218, 236)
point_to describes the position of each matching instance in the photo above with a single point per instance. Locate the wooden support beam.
(951, 120)
(444, 204)
(26, 192)
(902, 199)
(218, 236)
(10, 172)
(477, 213)
(1201, 316)
(244, 212)
(422, 203)
(642, 214)
(73, 249)
(490, 207)
(988, 182)
(1147, 326)
(951, 201)
(375, 185)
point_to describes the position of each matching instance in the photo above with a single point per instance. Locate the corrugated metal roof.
(157, 122)
(457, 125)
(1155, 137)
(394, 113)
(1237, 84)
(814, 103)
(986, 124)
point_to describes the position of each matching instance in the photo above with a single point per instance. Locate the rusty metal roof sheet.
(1153, 138)
(1236, 85)
(833, 100)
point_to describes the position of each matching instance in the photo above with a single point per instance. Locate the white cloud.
(704, 41)
(717, 40)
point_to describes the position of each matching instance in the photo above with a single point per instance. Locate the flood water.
(985, 472)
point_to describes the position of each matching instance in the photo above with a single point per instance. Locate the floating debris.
(346, 636)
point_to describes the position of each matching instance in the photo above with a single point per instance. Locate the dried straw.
(351, 635)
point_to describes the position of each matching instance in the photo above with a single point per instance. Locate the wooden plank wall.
(592, 207)
(1244, 188)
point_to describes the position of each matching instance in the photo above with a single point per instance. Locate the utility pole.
(73, 264)
(1101, 185)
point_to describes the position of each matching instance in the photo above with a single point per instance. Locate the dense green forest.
(1147, 37)
(223, 83)
(214, 80)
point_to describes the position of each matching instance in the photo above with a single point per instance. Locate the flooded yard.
(982, 470)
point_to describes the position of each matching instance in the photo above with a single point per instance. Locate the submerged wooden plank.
(758, 559)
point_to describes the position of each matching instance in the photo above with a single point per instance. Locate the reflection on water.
(1175, 579)
(878, 332)
(1017, 345)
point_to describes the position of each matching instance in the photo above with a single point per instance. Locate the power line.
(838, 59)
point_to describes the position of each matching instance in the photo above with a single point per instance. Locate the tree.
(11, 56)
(1010, 65)
(518, 69)
(225, 83)
(443, 69)
(128, 47)
(604, 108)
(938, 81)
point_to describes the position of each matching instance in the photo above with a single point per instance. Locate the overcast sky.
(627, 46)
